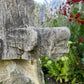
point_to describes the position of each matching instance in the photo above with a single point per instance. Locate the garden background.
(69, 13)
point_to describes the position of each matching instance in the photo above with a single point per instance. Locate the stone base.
(21, 72)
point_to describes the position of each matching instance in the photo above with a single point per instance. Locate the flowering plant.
(70, 14)
(74, 10)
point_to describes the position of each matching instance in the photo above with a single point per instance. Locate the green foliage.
(70, 69)
(67, 69)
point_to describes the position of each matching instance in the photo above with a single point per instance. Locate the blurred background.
(59, 13)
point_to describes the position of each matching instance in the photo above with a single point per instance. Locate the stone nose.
(53, 42)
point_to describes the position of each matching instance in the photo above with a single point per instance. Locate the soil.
(52, 81)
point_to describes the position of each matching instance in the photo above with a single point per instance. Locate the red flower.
(68, 10)
(70, 20)
(79, 21)
(75, 19)
(80, 39)
(82, 1)
(70, 2)
(71, 16)
(77, 15)
(82, 22)
(77, 0)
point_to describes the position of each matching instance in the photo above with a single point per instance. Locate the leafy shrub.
(67, 69)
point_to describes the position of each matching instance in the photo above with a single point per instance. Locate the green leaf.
(66, 79)
(60, 80)
(82, 60)
(57, 79)
(74, 81)
(70, 42)
(49, 62)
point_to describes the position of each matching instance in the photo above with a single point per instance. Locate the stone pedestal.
(20, 72)
(21, 45)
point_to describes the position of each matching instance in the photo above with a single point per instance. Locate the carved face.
(35, 42)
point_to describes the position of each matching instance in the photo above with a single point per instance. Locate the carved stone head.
(31, 43)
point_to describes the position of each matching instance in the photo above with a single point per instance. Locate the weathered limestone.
(21, 47)
(20, 72)
(31, 43)
(14, 13)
